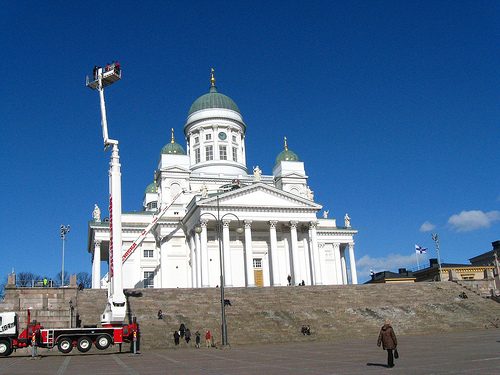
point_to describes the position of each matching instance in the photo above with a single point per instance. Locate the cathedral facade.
(261, 230)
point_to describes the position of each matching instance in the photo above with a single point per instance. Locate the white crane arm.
(145, 232)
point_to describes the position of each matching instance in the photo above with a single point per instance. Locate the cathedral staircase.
(269, 315)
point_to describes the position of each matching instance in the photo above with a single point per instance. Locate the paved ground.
(455, 353)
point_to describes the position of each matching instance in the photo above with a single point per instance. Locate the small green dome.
(173, 147)
(152, 188)
(287, 155)
(213, 100)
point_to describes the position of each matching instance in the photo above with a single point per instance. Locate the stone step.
(277, 314)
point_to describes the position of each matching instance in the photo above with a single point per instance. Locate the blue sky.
(393, 107)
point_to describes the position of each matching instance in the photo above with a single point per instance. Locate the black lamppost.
(218, 228)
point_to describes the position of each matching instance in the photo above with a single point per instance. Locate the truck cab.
(8, 332)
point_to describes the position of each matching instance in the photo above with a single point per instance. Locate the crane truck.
(113, 330)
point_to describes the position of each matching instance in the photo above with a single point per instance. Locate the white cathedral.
(265, 227)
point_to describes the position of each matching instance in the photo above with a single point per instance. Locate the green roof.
(151, 188)
(173, 148)
(213, 100)
(287, 154)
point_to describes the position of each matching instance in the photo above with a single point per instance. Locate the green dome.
(213, 100)
(151, 188)
(173, 148)
(287, 155)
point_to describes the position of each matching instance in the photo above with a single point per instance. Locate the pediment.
(292, 175)
(174, 169)
(260, 195)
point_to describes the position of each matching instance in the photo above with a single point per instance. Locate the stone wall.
(52, 307)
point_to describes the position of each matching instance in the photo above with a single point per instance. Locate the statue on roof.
(309, 193)
(96, 214)
(204, 191)
(325, 214)
(347, 221)
(257, 173)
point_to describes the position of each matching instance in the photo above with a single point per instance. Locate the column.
(352, 262)
(249, 253)
(192, 260)
(226, 248)
(198, 259)
(307, 263)
(294, 266)
(275, 274)
(318, 280)
(204, 255)
(337, 266)
(96, 266)
(343, 266)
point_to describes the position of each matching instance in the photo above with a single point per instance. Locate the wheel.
(65, 345)
(5, 348)
(84, 344)
(102, 342)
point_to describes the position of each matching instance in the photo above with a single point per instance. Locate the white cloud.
(467, 221)
(427, 227)
(392, 262)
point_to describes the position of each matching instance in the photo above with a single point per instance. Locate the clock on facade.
(222, 136)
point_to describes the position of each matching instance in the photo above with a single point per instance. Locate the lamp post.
(64, 231)
(218, 228)
(435, 238)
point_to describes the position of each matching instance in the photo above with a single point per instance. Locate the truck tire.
(84, 344)
(65, 345)
(102, 342)
(5, 348)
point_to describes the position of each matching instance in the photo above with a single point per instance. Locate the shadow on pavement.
(376, 364)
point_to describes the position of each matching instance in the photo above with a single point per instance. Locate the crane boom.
(150, 226)
(116, 307)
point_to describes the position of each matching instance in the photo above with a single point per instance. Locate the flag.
(420, 249)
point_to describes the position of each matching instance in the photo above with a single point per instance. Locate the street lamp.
(64, 231)
(435, 238)
(218, 228)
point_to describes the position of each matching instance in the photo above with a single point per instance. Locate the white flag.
(420, 249)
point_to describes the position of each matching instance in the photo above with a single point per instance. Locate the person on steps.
(187, 335)
(198, 339)
(176, 338)
(387, 338)
(208, 338)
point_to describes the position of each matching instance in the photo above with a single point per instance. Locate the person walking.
(176, 338)
(389, 342)
(187, 335)
(198, 339)
(208, 338)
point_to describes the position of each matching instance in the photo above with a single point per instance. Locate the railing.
(36, 284)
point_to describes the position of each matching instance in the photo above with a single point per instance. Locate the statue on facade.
(257, 173)
(325, 214)
(309, 193)
(96, 214)
(204, 191)
(347, 221)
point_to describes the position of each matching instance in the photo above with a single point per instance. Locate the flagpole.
(418, 265)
